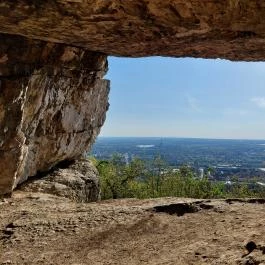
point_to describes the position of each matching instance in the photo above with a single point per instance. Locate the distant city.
(243, 159)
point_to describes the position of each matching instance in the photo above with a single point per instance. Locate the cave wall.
(53, 102)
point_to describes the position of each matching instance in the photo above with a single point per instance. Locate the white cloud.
(260, 102)
(235, 112)
(193, 104)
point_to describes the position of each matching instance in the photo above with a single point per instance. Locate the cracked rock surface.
(231, 29)
(53, 102)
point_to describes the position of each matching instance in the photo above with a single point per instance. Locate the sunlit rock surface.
(52, 105)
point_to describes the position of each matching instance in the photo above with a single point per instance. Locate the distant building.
(261, 183)
(126, 158)
(201, 173)
(228, 181)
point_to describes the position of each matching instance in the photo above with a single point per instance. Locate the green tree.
(116, 176)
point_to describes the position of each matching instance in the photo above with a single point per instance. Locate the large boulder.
(78, 181)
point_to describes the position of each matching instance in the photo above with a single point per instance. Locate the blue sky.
(170, 97)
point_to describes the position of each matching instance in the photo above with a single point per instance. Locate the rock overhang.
(229, 29)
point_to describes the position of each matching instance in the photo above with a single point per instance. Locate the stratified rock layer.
(53, 103)
(232, 29)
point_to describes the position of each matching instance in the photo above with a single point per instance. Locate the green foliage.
(119, 180)
(140, 179)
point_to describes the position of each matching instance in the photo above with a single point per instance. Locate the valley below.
(37, 228)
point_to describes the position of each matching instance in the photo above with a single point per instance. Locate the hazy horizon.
(177, 137)
(186, 98)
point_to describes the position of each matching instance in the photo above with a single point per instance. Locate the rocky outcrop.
(53, 103)
(232, 29)
(78, 181)
(53, 97)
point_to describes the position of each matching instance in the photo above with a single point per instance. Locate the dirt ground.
(43, 229)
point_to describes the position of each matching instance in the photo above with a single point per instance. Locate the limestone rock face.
(53, 103)
(78, 181)
(232, 29)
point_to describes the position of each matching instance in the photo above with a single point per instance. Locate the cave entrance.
(190, 111)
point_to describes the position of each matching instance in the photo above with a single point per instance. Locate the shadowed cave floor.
(38, 228)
